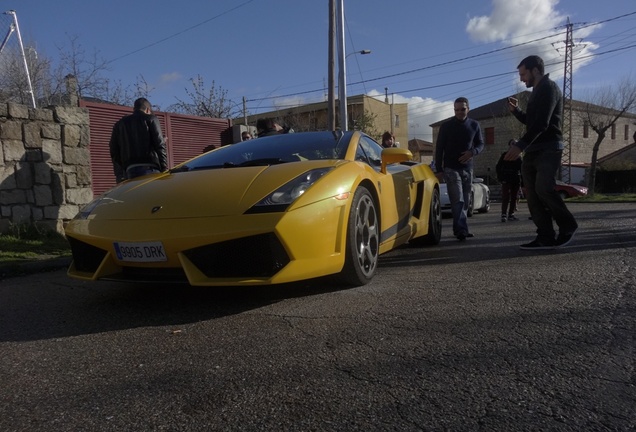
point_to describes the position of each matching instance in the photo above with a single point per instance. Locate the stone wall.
(45, 175)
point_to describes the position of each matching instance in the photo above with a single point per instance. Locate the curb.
(22, 268)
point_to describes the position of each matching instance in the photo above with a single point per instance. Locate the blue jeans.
(539, 171)
(458, 185)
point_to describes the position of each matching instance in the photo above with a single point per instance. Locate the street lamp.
(342, 89)
(362, 52)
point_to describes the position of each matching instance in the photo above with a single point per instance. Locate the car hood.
(204, 193)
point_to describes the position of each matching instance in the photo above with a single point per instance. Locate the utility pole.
(391, 114)
(566, 158)
(342, 69)
(244, 112)
(331, 67)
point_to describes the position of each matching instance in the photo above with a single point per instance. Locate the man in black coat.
(136, 144)
(542, 145)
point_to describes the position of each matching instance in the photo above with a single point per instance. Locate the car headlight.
(281, 198)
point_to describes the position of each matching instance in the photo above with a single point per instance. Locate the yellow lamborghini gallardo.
(270, 210)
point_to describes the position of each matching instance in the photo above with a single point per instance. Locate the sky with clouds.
(273, 53)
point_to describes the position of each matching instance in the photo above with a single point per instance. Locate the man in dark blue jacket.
(459, 139)
(136, 144)
(542, 145)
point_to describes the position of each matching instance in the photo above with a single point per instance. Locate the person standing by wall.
(267, 127)
(136, 144)
(459, 140)
(509, 175)
(542, 145)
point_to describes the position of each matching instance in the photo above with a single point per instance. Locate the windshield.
(273, 150)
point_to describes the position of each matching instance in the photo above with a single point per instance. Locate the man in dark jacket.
(267, 127)
(542, 145)
(136, 144)
(458, 141)
(509, 175)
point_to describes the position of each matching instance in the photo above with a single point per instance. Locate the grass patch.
(30, 241)
(604, 198)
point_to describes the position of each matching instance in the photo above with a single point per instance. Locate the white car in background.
(479, 198)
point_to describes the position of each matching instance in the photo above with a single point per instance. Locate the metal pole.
(342, 70)
(244, 112)
(6, 39)
(331, 66)
(26, 66)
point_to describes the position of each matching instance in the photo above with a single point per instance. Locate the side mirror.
(394, 155)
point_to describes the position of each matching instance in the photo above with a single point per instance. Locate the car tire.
(563, 195)
(486, 209)
(434, 234)
(363, 240)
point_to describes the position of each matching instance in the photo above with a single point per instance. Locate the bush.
(33, 231)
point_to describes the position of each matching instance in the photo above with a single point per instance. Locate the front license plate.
(140, 252)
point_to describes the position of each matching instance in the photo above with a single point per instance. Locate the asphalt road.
(473, 336)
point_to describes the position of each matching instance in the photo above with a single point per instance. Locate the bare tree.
(602, 111)
(13, 77)
(88, 69)
(206, 102)
(49, 82)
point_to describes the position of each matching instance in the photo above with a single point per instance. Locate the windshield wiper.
(254, 162)
(261, 162)
(183, 168)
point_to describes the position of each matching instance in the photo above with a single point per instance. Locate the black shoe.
(565, 239)
(464, 235)
(537, 244)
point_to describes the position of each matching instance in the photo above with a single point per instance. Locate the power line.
(180, 32)
(479, 55)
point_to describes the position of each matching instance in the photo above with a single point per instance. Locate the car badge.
(156, 209)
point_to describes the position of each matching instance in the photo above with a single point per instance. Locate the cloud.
(169, 78)
(511, 19)
(534, 27)
(422, 112)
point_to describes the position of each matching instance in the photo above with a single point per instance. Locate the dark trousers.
(140, 170)
(509, 196)
(539, 171)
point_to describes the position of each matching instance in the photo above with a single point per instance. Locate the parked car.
(479, 198)
(565, 190)
(569, 190)
(270, 210)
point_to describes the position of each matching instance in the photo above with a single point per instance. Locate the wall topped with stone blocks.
(45, 175)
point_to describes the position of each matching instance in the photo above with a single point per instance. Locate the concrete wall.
(45, 175)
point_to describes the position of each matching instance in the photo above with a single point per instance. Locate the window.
(586, 130)
(397, 120)
(490, 135)
(614, 131)
(370, 152)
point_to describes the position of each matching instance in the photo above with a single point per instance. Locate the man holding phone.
(542, 145)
